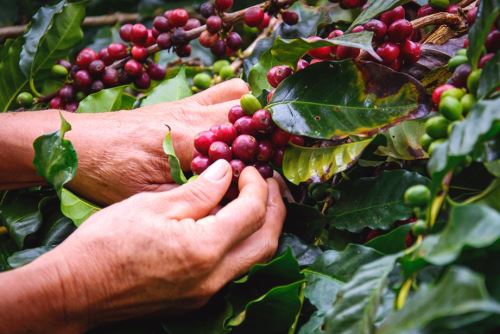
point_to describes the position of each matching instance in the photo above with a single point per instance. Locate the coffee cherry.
(436, 95)
(244, 126)
(164, 41)
(473, 81)
(85, 57)
(425, 10)
(96, 68)
(278, 157)
(179, 37)
(139, 53)
(389, 17)
(219, 48)
(139, 34)
(321, 52)
(264, 170)
(493, 41)
(207, 9)
(346, 52)
(233, 40)
(25, 99)
(400, 30)
(126, 32)
(97, 86)
(156, 72)
(425, 141)
(280, 138)
(64, 63)
(262, 121)
(83, 79)
(237, 166)
(56, 103)
(133, 67)
(388, 51)
(301, 64)
(143, 81)
(253, 16)
(451, 108)
(208, 39)
(277, 74)
(117, 50)
(250, 104)
(265, 22)
(417, 196)
(456, 93)
(203, 141)
(202, 80)
(105, 57)
(199, 164)
(161, 24)
(235, 113)
(178, 17)
(71, 106)
(226, 133)
(452, 9)
(67, 93)
(245, 147)
(59, 71)
(290, 17)
(378, 27)
(436, 127)
(411, 51)
(467, 101)
(219, 150)
(333, 34)
(349, 4)
(191, 24)
(110, 77)
(223, 5)
(484, 59)
(297, 140)
(214, 24)
(471, 16)
(265, 151)
(227, 72)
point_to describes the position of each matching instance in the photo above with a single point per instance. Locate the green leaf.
(169, 90)
(304, 253)
(13, 80)
(374, 202)
(302, 164)
(7, 248)
(403, 141)
(459, 292)
(391, 242)
(54, 31)
(490, 77)
(305, 221)
(489, 196)
(355, 309)
(487, 13)
(75, 208)
(55, 157)
(374, 8)
(21, 258)
(472, 225)
(111, 99)
(173, 162)
(332, 100)
(321, 290)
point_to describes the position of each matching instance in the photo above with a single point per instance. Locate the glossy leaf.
(337, 99)
(403, 141)
(305, 221)
(173, 162)
(374, 202)
(391, 242)
(76, 208)
(321, 290)
(472, 225)
(13, 80)
(374, 8)
(303, 164)
(21, 258)
(459, 292)
(169, 90)
(304, 253)
(487, 13)
(489, 196)
(490, 77)
(111, 99)
(55, 157)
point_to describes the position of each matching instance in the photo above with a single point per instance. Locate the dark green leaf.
(304, 254)
(489, 196)
(173, 162)
(459, 292)
(337, 99)
(76, 208)
(374, 202)
(391, 242)
(24, 257)
(55, 157)
(302, 164)
(7, 248)
(111, 99)
(304, 221)
(374, 8)
(169, 90)
(487, 13)
(470, 225)
(13, 80)
(321, 290)
(403, 141)
(490, 77)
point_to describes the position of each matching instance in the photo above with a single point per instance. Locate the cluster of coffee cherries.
(436, 6)
(349, 4)
(250, 138)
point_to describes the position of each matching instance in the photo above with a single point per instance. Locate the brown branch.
(440, 18)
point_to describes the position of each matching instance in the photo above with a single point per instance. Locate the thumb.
(198, 198)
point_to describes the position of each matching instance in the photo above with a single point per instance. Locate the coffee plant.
(383, 117)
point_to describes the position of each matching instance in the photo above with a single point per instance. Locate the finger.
(243, 216)
(221, 108)
(198, 198)
(225, 91)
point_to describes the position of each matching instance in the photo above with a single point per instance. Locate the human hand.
(120, 153)
(164, 252)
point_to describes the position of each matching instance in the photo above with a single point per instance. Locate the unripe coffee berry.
(59, 71)
(202, 80)
(25, 99)
(250, 104)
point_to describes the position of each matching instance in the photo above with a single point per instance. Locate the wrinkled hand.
(120, 154)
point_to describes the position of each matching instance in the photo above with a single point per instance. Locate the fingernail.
(216, 171)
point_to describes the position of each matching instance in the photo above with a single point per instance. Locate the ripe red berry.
(126, 32)
(235, 113)
(301, 64)
(321, 52)
(219, 48)
(280, 138)
(178, 17)
(237, 166)
(395, 65)
(139, 34)
(388, 51)
(105, 57)
(278, 157)
(265, 22)
(117, 50)
(245, 147)
(143, 81)
(64, 63)
(264, 170)
(96, 68)
(244, 126)
(262, 121)
(253, 16)
(133, 67)
(56, 103)
(297, 140)
(346, 52)
(378, 27)
(436, 95)
(191, 24)
(358, 29)
(265, 151)
(71, 106)
(223, 5)
(83, 79)
(203, 141)
(233, 40)
(67, 93)
(110, 77)
(97, 86)
(400, 30)
(226, 133)
(453, 9)
(161, 24)
(425, 10)
(207, 9)
(214, 23)
(164, 41)
(397, 13)
(156, 72)
(411, 51)
(219, 150)
(471, 16)
(183, 50)
(151, 39)
(277, 74)
(199, 164)
(493, 41)
(179, 37)
(85, 57)
(139, 53)
(208, 39)
(290, 17)
(484, 59)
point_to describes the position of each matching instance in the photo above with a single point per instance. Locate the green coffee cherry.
(436, 127)
(417, 196)
(467, 101)
(456, 61)
(419, 227)
(219, 64)
(451, 108)
(250, 104)
(435, 144)
(202, 80)
(59, 71)
(462, 52)
(227, 72)
(473, 81)
(426, 141)
(457, 93)
(441, 4)
(25, 99)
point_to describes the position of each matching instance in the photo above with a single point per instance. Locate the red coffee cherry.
(244, 126)
(321, 52)
(133, 67)
(400, 30)
(105, 57)
(199, 164)
(139, 53)
(203, 141)
(85, 57)
(237, 166)
(179, 37)
(126, 32)
(183, 50)
(378, 27)
(411, 51)
(143, 81)
(191, 24)
(110, 77)
(265, 151)
(178, 17)
(223, 5)
(67, 93)
(72, 106)
(262, 121)
(290, 17)
(471, 16)
(207, 39)
(96, 68)
(56, 103)
(493, 41)
(301, 64)
(161, 24)
(156, 72)
(97, 86)
(245, 147)
(348, 4)
(207, 9)
(388, 51)
(346, 52)
(253, 16)
(214, 23)
(233, 40)
(219, 150)
(280, 138)
(226, 133)
(278, 157)
(139, 34)
(235, 113)
(358, 29)
(436, 95)
(277, 74)
(117, 50)
(397, 13)
(425, 10)
(164, 41)
(264, 170)
(265, 22)
(484, 59)
(83, 79)
(297, 140)
(219, 48)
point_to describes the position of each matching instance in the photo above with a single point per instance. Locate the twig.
(453, 20)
